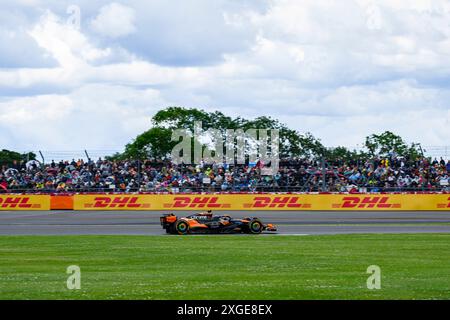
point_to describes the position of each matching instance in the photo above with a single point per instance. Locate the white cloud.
(93, 116)
(66, 44)
(114, 20)
(340, 70)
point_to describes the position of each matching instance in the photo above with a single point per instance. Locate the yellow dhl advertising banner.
(24, 202)
(264, 202)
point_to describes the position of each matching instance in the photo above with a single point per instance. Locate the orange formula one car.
(206, 222)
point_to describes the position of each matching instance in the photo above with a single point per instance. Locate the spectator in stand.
(295, 174)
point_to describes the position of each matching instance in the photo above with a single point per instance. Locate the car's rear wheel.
(169, 229)
(182, 227)
(255, 226)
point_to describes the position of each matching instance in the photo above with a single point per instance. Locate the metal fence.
(213, 190)
(46, 156)
(304, 175)
(437, 152)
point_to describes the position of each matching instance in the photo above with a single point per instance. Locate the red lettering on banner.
(132, 203)
(196, 202)
(279, 202)
(199, 202)
(119, 202)
(11, 202)
(276, 202)
(261, 202)
(129, 202)
(444, 205)
(350, 202)
(366, 202)
(101, 202)
(382, 203)
(116, 202)
(210, 202)
(181, 202)
(15, 202)
(293, 203)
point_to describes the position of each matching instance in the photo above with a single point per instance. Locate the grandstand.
(88, 171)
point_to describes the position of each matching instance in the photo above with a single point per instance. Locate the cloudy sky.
(338, 69)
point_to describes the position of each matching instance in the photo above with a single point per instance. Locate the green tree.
(157, 143)
(388, 143)
(343, 155)
(153, 143)
(8, 157)
(183, 118)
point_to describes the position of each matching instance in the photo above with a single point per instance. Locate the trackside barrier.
(24, 202)
(348, 202)
(61, 202)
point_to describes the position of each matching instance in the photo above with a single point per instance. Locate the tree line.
(157, 142)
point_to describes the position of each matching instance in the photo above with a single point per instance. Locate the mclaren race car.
(206, 222)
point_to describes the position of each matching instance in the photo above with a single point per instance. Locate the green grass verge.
(413, 266)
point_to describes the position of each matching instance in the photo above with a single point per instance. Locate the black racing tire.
(255, 226)
(169, 229)
(181, 227)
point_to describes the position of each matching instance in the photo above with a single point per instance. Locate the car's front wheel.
(182, 227)
(255, 226)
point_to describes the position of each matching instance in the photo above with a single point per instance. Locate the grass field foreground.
(413, 266)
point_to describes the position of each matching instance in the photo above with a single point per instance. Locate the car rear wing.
(168, 219)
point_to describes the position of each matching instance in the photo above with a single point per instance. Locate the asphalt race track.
(288, 222)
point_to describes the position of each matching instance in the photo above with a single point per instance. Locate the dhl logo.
(116, 202)
(366, 202)
(444, 205)
(196, 202)
(17, 202)
(276, 202)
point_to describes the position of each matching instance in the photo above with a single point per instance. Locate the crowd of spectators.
(294, 175)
